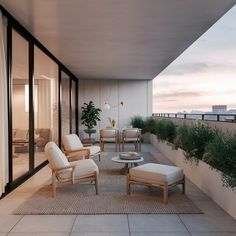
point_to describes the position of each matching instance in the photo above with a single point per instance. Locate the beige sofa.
(21, 137)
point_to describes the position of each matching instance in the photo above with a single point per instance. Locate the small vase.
(113, 123)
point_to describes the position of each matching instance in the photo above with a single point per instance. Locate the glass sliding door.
(45, 103)
(20, 105)
(65, 104)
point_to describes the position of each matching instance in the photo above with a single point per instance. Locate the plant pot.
(90, 132)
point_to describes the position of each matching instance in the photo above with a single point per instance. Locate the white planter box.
(208, 180)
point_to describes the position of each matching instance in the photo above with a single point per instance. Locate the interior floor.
(21, 162)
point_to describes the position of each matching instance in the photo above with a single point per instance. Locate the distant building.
(219, 109)
(232, 111)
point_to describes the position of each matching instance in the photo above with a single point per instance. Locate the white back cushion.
(21, 133)
(55, 156)
(108, 133)
(71, 142)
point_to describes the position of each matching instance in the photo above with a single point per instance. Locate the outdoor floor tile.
(101, 223)
(161, 234)
(38, 234)
(211, 208)
(214, 234)
(156, 223)
(45, 224)
(7, 222)
(209, 223)
(100, 234)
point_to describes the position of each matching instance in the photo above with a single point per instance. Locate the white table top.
(117, 159)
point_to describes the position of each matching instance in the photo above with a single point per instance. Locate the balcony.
(108, 52)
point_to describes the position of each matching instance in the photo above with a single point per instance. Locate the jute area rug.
(112, 198)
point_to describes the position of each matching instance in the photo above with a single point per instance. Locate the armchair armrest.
(87, 144)
(78, 154)
(71, 166)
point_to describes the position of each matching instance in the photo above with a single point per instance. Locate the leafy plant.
(138, 122)
(90, 115)
(151, 125)
(221, 155)
(193, 139)
(166, 130)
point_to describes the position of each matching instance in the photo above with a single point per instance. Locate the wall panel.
(136, 95)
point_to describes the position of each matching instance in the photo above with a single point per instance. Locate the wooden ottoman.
(156, 175)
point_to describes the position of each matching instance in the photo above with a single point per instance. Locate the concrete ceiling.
(117, 39)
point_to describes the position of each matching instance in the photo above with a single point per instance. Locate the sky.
(204, 75)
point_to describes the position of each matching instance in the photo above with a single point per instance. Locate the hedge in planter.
(221, 155)
(166, 130)
(193, 139)
(138, 122)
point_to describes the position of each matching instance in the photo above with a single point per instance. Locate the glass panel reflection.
(65, 104)
(20, 105)
(45, 103)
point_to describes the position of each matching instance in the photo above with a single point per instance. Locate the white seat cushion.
(156, 173)
(84, 168)
(71, 142)
(93, 150)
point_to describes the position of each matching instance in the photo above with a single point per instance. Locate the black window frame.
(13, 24)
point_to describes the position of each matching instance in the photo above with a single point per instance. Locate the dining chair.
(109, 135)
(131, 135)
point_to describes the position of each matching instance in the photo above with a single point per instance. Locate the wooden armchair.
(74, 149)
(64, 171)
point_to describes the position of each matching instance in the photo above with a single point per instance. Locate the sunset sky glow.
(204, 75)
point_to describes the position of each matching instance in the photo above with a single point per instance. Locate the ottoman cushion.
(156, 173)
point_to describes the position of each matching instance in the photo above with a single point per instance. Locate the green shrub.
(138, 122)
(221, 155)
(193, 139)
(151, 125)
(181, 139)
(166, 130)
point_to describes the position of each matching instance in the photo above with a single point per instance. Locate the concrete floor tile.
(7, 222)
(156, 223)
(101, 223)
(211, 208)
(3, 234)
(45, 224)
(209, 223)
(38, 234)
(215, 234)
(161, 234)
(100, 234)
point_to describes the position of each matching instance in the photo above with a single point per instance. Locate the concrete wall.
(136, 96)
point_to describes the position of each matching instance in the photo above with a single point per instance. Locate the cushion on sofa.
(22, 134)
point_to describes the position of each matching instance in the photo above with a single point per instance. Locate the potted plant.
(90, 116)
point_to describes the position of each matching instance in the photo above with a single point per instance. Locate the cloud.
(191, 68)
(178, 94)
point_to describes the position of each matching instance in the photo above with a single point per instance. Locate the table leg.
(125, 169)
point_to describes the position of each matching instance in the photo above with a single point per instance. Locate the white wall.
(136, 95)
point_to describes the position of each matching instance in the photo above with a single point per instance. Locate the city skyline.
(204, 75)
